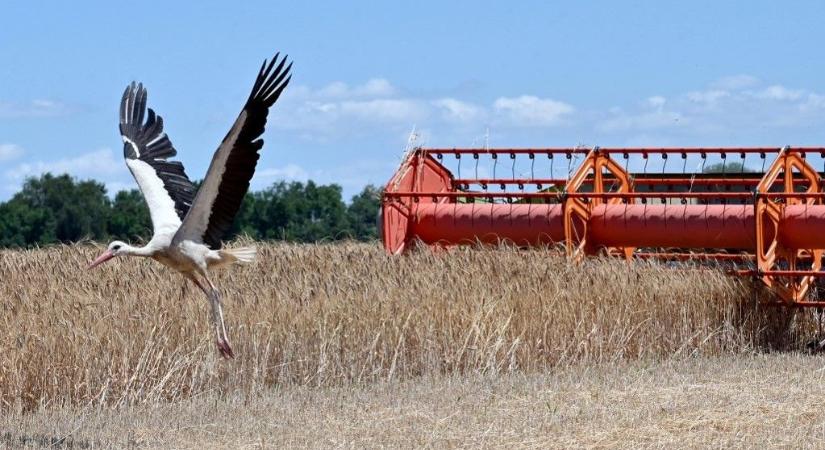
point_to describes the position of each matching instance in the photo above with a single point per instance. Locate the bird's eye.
(116, 247)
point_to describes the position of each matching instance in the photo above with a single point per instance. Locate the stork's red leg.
(225, 349)
(217, 318)
(213, 295)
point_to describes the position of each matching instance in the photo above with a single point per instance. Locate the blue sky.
(527, 73)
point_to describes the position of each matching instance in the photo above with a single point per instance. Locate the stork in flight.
(188, 222)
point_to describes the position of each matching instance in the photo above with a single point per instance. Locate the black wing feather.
(245, 142)
(153, 146)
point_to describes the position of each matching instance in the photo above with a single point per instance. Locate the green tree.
(727, 167)
(243, 224)
(315, 213)
(23, 226)
(52, 209)
(296, 212)
(56, 209)
(129, 218)
(263, 214)
(363, 213)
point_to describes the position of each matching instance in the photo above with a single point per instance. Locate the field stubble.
(332, 315)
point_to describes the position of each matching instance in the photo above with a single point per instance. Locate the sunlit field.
(323, 328)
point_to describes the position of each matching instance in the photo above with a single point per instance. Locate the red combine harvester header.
(627, 202)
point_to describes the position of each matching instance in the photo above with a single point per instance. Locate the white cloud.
(339, 110)
(650, 140)
(735, 82)
(651, 120)
(709, 97)
(9, 152)
(813, 101)
(356, 174)
(655, 116)
(375, 87)
(781, 93)
(33, 109)
(384, 110)
(289, 172)
(737, 110)
(458, 111)
(657, 101)
(334, 89)
(99, 164)
(531, 111)
(731, 107)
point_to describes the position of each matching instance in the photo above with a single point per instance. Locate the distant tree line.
(52, 209)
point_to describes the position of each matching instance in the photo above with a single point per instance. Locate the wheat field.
(731, 401)
(340, 316)
(332, 314)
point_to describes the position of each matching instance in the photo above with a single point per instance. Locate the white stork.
(188, 226)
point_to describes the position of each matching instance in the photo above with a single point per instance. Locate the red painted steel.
(773, 222)
(618, 225)
(505, 151)
(453, 223)
(679, 226)
(739, 257)
(684, 181)
(441, 196)
(803, 226)
(620, 151)
(509, 181)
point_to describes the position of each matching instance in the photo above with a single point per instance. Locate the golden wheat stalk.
(332, 314)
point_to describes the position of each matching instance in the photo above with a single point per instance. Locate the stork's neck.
(146, 250)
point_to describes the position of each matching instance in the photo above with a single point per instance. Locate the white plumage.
(188, 223)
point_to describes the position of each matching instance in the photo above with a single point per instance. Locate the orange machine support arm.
(778, 224)
(578, 211)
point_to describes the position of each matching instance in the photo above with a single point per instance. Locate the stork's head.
(116, 248)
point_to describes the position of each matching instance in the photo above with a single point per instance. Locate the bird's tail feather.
(241, 255)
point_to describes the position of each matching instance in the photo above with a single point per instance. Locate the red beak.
(105, 256)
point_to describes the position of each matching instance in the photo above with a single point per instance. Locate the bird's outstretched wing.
(147, 149)
(233, 164)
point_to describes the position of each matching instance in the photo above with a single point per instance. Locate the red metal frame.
(578, 206)
(616, 150)
(423, 201)
(770, 251)
(458, 182)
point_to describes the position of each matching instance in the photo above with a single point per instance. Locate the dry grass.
(342, 314)
(750, 401)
